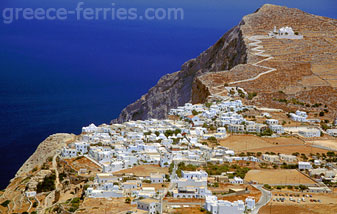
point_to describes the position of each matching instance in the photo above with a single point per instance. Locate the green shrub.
(48, 184)
(5, 203)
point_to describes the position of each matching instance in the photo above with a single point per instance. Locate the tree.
(330, 154)
(48, 184)
(208, 105)
(128, 200)
(302, 187)
(5, 203)
(194, 112)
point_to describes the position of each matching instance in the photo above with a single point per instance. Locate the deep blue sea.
(57, 76)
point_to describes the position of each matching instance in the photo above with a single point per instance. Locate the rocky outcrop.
(175, 89)
(303, 70)
(46, 149)
(231, 59)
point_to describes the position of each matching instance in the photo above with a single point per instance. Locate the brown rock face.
(46, 149)
(306, 69)
(175, 89)
(303, 67)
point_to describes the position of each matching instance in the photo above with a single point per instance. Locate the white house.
(277, 129)
(272, 122)
(304, 165)
(193, 184)
(236, 128)
(310, 132)
(68, 152)
(299, 116)
(270, 158)
(216, 206)
(107, 190)
(113, 166)
(157, 178)
(221, 130)
(250, 203)
(236, 180)
(30, 194)
(332, 132)
(287, 158)
(151, 205)
(102, 178)
(81, 147)
(317, 162)
(194, 174)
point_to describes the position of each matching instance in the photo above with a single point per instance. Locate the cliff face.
(45, 150)
(175, 89)
(302, 67)
(299, 72)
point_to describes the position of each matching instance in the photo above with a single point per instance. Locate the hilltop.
(305, 70)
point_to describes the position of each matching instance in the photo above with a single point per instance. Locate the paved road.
(264, 199)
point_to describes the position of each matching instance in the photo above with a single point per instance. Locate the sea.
(57, 76)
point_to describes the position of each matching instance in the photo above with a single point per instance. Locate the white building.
(285, 33)
(270, 158)
(287, 158)
(304, 165)
(216, 206)
(194, 174)
(30, 194)
(102, 178)
(277, 129)
(272, 122)
(191, 185)
(310, 132)
(332, 132)
(81, 147)
(151, 205)
(157, 178)
(68, 152)
(107, 190)
(299, 116)
(236, 180)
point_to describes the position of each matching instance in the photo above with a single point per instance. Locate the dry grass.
(189, 210)
(105, 206)
(285, 145)
(144, 170)
(299, 209)
(278, 177)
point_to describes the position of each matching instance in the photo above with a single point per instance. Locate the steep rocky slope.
(175, 89)
(45, 150)
(305, 72)
(304, 68)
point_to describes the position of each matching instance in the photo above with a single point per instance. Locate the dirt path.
(258, 51)
(57, 181)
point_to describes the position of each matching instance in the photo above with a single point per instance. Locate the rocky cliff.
(303, 68)
(46, 149)
(289, 74)
(175, 89)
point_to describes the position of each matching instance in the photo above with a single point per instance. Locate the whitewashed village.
(189, 139)
(220, 157)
